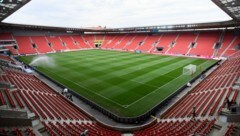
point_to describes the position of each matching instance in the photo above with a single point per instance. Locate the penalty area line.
(151, 92)
(157, 89)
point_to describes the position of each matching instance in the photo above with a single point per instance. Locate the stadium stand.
(166, 40)
(89, 40)
(228, 39)
(18, 132)
(208, 98)
(5, 36)
(10, 99)
(80, 41)
(205, 44)
(8, 36)
(118, 39)
(182, 44)
(41, 44)
(25, 45)
(149, 43)
(99, 37)
(68, 40)
(231, 47)
(3, 102)
(136, 42)
(124, 41)
(172, 43)
(185, 127)
(113, 42)
(107, 40)
(231, 129)
(76, 128)
(6, 58)
(209, 95)
(16, 96)
(48, 106)
(56, 43)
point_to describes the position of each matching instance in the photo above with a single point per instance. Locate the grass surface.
(127, 84)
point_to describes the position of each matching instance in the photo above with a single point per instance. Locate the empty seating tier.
(172, 43)
(41, 44)
(25, 45)
(190, 127)
(78, 128)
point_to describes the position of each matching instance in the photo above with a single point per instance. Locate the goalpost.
(189, 69)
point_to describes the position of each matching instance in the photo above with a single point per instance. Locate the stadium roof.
(7, 7)
(147, 29)
(231, 7)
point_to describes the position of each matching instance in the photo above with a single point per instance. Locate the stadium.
(154, 80)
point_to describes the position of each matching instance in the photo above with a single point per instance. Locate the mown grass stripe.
(122, 82)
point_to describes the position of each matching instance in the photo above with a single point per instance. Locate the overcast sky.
(116, 13)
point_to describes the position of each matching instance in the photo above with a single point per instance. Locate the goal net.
(189, 69)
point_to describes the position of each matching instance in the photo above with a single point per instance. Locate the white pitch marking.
(89, 90)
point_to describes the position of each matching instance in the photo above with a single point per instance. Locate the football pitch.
(127, 84)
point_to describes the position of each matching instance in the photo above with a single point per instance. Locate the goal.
(189, 69)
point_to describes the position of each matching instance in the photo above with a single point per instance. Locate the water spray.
(43, 61)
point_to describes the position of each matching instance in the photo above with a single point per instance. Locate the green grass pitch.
(127, 84)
